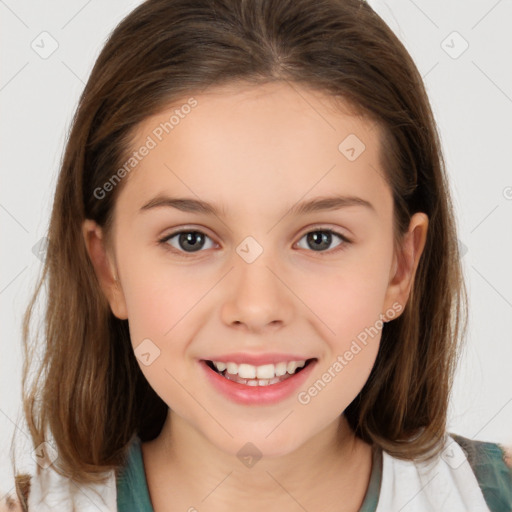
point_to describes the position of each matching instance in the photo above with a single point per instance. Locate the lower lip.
(257, 395)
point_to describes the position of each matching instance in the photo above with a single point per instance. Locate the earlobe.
(104, 268)
(407, 260)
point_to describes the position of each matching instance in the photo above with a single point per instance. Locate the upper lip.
(257, 359)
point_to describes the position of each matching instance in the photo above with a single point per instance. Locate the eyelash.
(342, 246)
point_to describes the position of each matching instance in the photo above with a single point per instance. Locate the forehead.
(275, 142)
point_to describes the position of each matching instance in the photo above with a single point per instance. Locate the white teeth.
(264, 372)
(256, 382)
(220, 366)
(292, 366)
(281, 369)
(246, 371)
(232, 368)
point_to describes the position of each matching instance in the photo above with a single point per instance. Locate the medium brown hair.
(88, 391)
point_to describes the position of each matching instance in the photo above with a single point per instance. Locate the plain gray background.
(463, 51)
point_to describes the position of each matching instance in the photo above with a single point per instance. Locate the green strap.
(372, 494)
(132, 490)
(493, 475)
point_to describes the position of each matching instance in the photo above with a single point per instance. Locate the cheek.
(349, 302)
(158, 295)
(349, 306)
(340, 380)
(350, 297)
(159, 303)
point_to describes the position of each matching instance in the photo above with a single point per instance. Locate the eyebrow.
(190, 205)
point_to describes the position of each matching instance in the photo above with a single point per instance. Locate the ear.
(405, 263)
(104, 268)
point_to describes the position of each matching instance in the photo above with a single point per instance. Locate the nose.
(257, 297)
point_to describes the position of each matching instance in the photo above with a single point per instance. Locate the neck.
(332, 465)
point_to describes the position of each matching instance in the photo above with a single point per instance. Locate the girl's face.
(262, 276)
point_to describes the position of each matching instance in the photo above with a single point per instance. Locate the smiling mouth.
(258, 381)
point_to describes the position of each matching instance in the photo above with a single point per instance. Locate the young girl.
(255, 298)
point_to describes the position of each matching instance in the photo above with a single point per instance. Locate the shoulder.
(43, 489)
(467, 475)
(46, 489)
(10, 504)
(492, 465)
(16, 501)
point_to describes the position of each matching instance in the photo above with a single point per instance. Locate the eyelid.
(323, 227)
(187, 229)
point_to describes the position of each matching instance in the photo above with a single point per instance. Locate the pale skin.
(255, 152)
